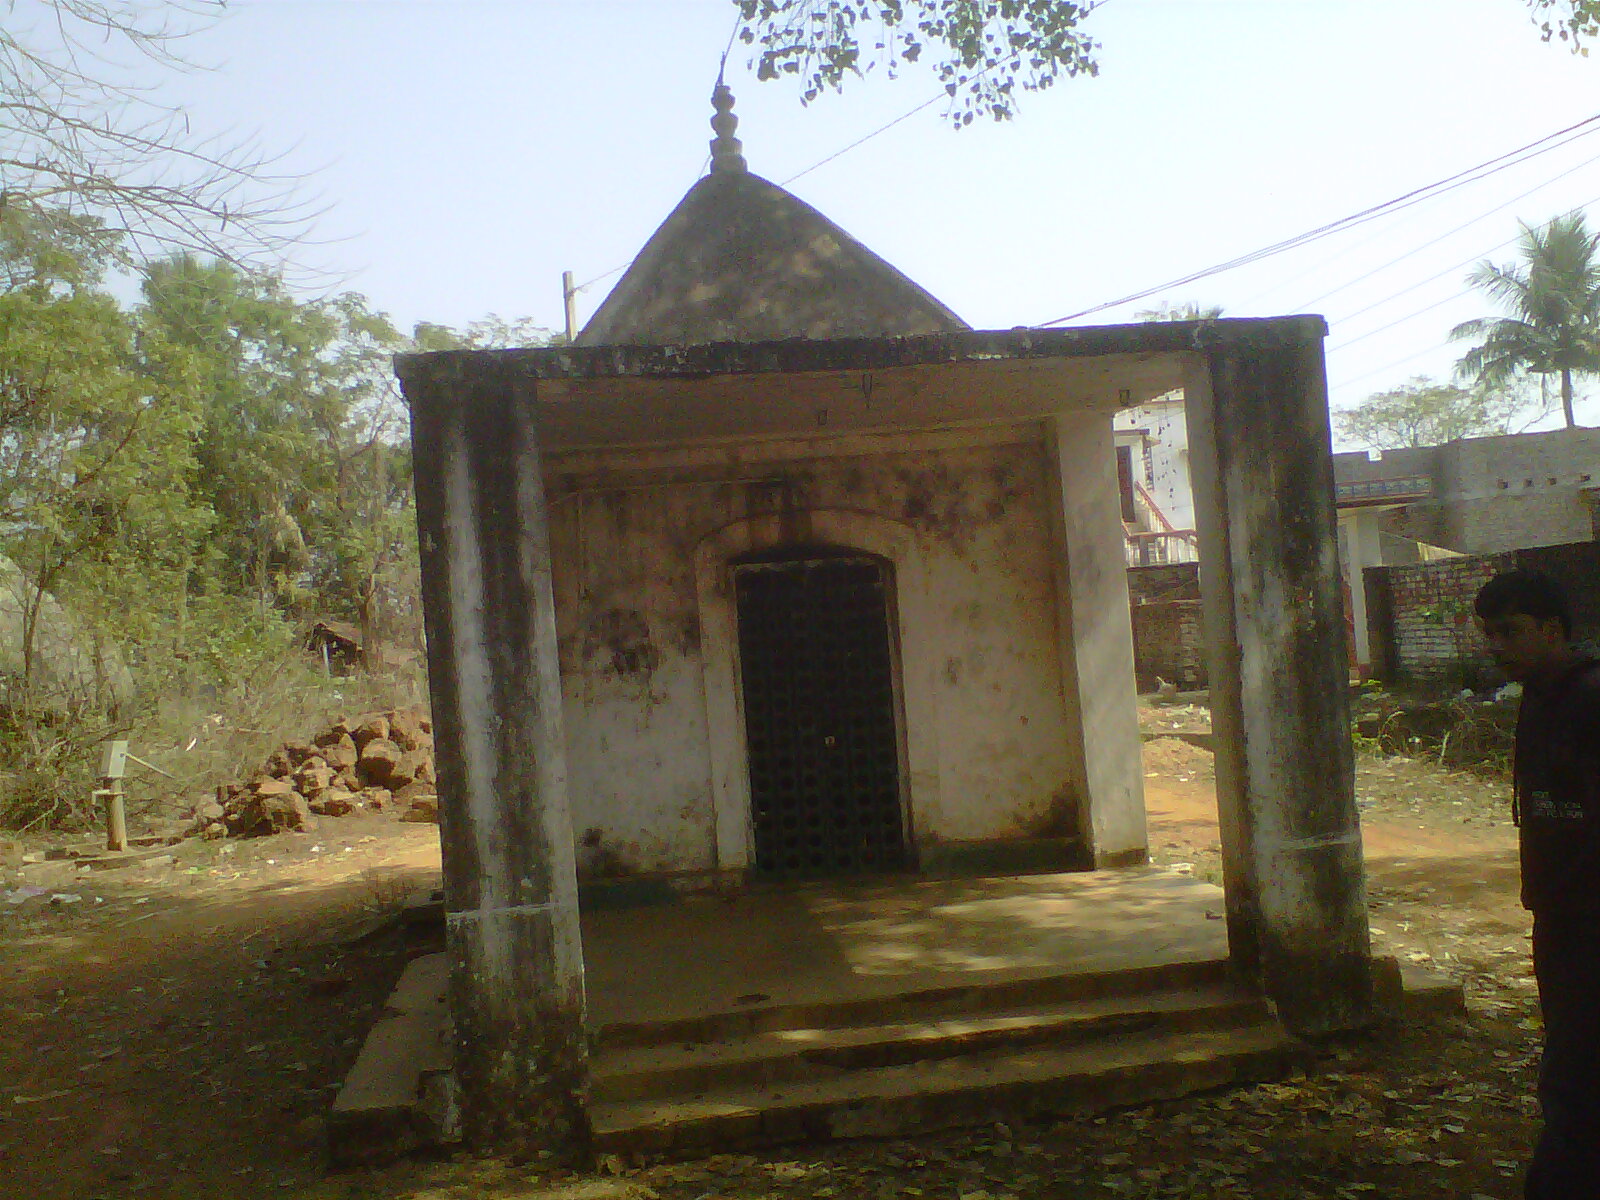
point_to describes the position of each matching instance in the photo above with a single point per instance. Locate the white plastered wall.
(646, 622)
(1165, 431)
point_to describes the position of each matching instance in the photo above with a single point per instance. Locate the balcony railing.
(1159, 547)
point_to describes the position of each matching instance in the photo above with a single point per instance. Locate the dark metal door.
(819, 704)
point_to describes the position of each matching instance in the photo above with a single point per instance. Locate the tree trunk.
(1566, 397)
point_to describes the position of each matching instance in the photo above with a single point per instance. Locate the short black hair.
(1531, 593)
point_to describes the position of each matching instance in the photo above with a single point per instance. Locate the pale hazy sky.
(469, 151)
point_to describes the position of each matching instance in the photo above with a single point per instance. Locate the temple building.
(782, 571)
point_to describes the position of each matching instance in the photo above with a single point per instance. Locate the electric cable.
(1400, 362)
(1418, 195)
(1361, 337)
(1345, 254)
(882, 129)
(1422, 283)
(1306, 307)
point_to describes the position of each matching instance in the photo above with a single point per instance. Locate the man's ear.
(1551, 628)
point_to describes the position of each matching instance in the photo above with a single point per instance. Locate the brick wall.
(1527, 518)
(1420, 616)
(1499, 494)
(1168, 644)
(1171, 581)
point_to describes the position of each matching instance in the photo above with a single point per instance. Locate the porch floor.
(842, 1008)
(838, 942)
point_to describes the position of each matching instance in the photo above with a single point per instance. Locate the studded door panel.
(820, 717)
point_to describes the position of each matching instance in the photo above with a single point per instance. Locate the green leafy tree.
(301, 448)
(492, 332)
(242, 344)
(94, 467)
(1553, 298)
(362, 525)
(1568, 20)
(981, 51)
(1425, 412)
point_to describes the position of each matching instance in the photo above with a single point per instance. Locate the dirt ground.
(180, 1032)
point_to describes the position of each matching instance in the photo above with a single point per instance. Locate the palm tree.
(1553, 296)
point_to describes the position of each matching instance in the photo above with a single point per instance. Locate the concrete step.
(777, 1056)
(917, 1005)
(1406, 990)
(390, 1103)
(808, 1071)
(971, 1089)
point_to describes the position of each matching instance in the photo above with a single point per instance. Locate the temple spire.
(727, 155)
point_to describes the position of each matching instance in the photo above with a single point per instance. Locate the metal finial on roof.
(727, 151)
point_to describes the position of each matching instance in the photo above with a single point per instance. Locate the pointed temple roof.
(742, 260)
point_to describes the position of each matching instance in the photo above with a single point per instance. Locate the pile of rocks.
(372, 764)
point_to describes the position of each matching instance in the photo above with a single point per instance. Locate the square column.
(1096, 639)
(1275, 633)
(1362, 548)
(511, 891)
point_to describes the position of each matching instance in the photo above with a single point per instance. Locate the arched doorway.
(818, 679)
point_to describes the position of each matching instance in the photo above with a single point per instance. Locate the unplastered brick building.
(1475, 496)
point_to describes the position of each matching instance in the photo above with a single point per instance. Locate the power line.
(1400, 362)
(1416, 196)
(1406, 291)
(947, 94)
(1361, 337)
(1306, 307)
(1309, 305)
(928, 103)
(1421, 283)
(861, 141)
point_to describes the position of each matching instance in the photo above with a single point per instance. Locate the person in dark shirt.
(1556, 804)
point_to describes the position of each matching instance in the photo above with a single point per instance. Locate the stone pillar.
(1269, 579)
(1096, 639)
(511, 894)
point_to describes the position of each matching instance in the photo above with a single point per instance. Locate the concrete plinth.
(868, 1010)
(849, 1011)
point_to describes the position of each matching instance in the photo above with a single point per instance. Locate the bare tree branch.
(83, 134)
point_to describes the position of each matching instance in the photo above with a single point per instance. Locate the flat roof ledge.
(862, 353)
(591, 397)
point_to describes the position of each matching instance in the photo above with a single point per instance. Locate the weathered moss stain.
(1056, 816)
(685, 631)
(522, 1057)
(602, 858)
(444, 368)
(618, 641)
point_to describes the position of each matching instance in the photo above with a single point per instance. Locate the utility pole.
(569, 298)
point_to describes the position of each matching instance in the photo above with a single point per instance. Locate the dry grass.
(203, 741)
(1458, 734)
(200, 737)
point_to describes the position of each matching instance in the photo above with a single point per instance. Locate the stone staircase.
(921, 1060)
(868, 1066)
